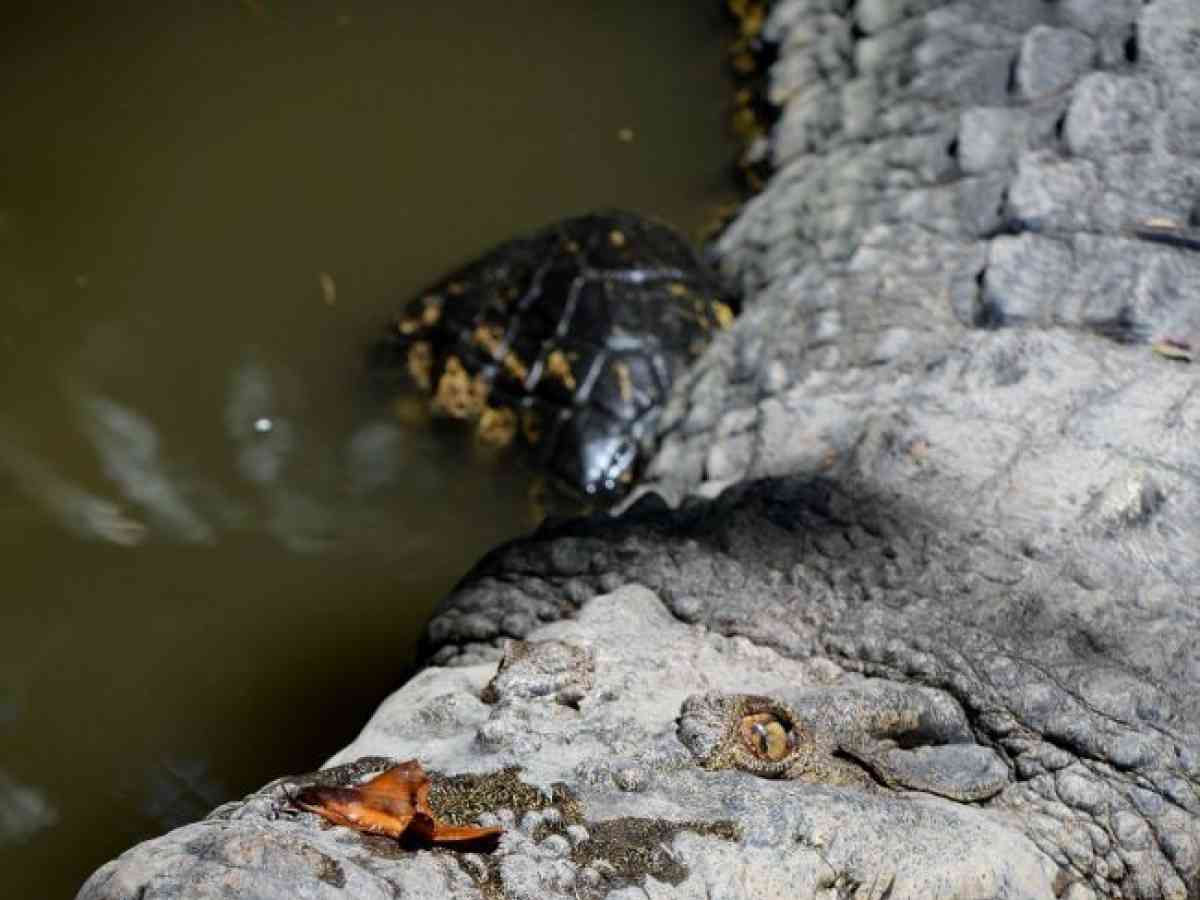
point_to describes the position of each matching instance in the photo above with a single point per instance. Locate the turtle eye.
(620, 466)
(767, 736)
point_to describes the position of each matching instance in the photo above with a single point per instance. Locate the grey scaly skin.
(592, 747)
(1075, 694)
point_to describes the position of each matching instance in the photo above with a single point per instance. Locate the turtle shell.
(567, 340)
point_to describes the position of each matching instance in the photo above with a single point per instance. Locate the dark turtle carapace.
(567, 340)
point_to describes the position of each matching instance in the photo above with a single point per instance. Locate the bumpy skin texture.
(948, 298)
(1087, 696)
(571, 337)
(974, 541)
(649, 809)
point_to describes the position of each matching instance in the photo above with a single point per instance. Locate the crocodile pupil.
(766, 736)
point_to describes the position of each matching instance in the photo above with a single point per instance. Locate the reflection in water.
(128, 446)
(313, 497)
(174, 791)
(23, 811)
(264, 438)
(217, 548)
(307, 509)
(79, 511)
(374, 459)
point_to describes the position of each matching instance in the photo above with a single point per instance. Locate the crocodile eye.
(767, 736)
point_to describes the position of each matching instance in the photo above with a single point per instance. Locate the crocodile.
(905, 606)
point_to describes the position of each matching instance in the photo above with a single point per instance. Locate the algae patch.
(328, 870)
(636, 848)
(624, 851)
(462, 799)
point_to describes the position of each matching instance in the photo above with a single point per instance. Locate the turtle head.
(595, 460)
(609, 467)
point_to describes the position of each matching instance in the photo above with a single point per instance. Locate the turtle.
(567, 340)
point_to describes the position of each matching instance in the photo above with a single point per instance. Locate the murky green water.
(216, 548)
